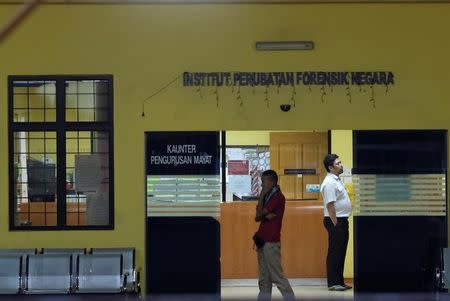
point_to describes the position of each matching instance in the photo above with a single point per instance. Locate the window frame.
(60, 126)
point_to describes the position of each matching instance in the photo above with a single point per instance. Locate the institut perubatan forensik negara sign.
(307, 78)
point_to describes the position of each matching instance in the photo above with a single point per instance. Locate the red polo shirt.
(270, 230)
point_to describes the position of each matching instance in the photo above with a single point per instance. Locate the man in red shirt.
(269, 212)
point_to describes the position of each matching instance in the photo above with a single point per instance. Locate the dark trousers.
(337, 247)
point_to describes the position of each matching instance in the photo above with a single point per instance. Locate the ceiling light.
(285, 45)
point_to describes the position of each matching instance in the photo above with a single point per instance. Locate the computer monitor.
(41, 181)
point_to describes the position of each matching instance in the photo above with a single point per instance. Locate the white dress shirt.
(333, 190)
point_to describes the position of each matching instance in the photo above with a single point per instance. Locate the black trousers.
(337, 247)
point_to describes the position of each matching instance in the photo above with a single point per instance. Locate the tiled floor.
(301, 293)
(316, 290)
(247, 289)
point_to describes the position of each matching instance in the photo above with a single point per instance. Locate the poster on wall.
(182, 153)
(238, 167)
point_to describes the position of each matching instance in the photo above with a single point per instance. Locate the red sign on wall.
(238, 167)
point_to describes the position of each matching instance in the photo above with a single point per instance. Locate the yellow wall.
(248, 137)
(146, 46)
(342, 145)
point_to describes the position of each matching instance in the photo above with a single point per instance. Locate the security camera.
(285, 107)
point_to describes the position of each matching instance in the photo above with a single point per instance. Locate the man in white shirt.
(337, 209)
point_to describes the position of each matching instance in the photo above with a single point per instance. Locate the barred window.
(61, 152)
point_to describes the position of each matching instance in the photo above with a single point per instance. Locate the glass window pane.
(86, 115)
(86, 134)
(86, 86)
(35, 153)
(102, 101)
(20, 87)
(50, 207)
(22, 219)
(36, 214)
(71, 134)
(101, 144)
(37, 207)
(50, 101)
(35, 177)
(20, 174)
(85, 145)
(71, 115)
(36, 145)
(41, 178)
(30, 100)
(50, 145)
(70, 176)
(71, 101)
(36, 101)
(89, 181)
(37, 219)
(89, 100)
(34, 135)
(50, 158)
(21, 101)
(101, 115)
(71, 146)
(86, 101)
(21, 115)
(50, 87)
(71, 87)
(50, 135)
(50, 115)
(37, 115)
(50, 219)
(70, 160)
(101, 87)
(76, 219)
